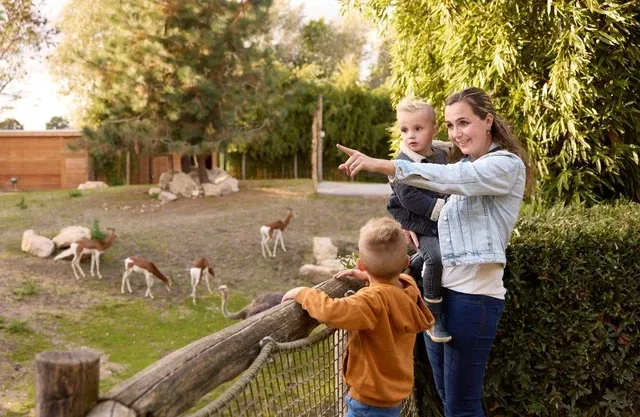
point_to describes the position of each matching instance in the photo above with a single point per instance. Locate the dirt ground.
(225, 230)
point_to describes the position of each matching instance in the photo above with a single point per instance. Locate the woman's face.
(468, 131)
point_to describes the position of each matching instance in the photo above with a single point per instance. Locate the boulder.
(323, 249)
(71, 234)
(217, 175)
(315, 273)
(229, 183)
(165, 180)
(37, 245)
(155, 191)
(91, 185)
(211, 190)
(333, 265)
(182, 184)
(167, 197)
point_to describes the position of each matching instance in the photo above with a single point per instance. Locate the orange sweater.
(382, 321)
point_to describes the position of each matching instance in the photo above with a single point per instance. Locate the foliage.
(75, 193)
(22, 204)
(190, 72)
(96, 232)
(349, 261)
(17, 327)
(11, 124)
(58, 123)
(352, 115)
(28, 288)
(564, 73)
(23, 28)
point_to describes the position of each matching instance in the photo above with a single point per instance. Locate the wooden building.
(41, 160)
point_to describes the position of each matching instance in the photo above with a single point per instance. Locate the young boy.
(382, 318)
(416, 209)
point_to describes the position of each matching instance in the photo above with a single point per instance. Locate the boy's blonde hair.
(413, 104)
(383, 250)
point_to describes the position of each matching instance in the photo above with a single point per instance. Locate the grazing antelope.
(259, 304)
(135, 264)
(92, 247)
(276, 228)
(200, 269)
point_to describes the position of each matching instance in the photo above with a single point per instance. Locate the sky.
(40, 97)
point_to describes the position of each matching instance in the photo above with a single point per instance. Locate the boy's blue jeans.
(358, 409)
(459, 366)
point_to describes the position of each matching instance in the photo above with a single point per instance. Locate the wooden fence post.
(67, 383)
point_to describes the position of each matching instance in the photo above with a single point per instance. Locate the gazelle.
(135, 264)
(274, 229)
(92, 247)
(200, 269)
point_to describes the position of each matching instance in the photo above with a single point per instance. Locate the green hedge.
(568, 340)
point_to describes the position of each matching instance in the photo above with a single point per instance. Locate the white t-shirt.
(477, 279)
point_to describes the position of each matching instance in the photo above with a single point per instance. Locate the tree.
(564, 73)
(58, 123)
(11, 124)
(23, 28)
(195, 71)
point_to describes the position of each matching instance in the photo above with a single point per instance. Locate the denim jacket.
(486, 194)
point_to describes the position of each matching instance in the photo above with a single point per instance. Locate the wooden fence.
(66, 382)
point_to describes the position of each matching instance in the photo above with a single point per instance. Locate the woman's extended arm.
(495, 176)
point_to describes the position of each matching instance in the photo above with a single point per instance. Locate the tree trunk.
(202, 169)
(185, 164)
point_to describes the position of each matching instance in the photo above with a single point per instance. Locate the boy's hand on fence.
(356, 273)
(291, 294)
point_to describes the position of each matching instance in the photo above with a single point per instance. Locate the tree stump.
(67, 383)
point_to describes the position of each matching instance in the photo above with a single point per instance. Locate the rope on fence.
(298, 378)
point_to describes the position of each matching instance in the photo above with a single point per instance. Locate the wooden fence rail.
(175, 383)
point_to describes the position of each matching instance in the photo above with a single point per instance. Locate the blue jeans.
(358, 409)
(459, 366)
(429, 250)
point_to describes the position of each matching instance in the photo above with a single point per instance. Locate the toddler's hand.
(291, 294)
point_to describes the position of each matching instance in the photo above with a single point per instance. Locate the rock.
(211, 190)
(230, 183)
(37, 245)
(195, 176)
(196, 193)
(91, 185)
(217, 175)
(182, 184)
(315, 273)
(334, 265)
(165, 179)
(323, 249)
(71, 234)
(167, 197)
(155, 190)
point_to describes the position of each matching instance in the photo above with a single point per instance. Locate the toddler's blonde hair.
(414, 104)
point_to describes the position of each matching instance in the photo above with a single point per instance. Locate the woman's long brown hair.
(501, 132)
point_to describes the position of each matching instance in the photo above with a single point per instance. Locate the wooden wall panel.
(41, 160)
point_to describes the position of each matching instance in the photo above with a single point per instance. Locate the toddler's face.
(417, 130)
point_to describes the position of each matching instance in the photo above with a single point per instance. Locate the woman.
(487, 187)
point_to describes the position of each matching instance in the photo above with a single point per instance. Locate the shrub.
(568, 340)
(22, 204)
(96, 232)
(75, 193)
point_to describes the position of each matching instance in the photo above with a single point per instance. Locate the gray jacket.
(476, 222)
